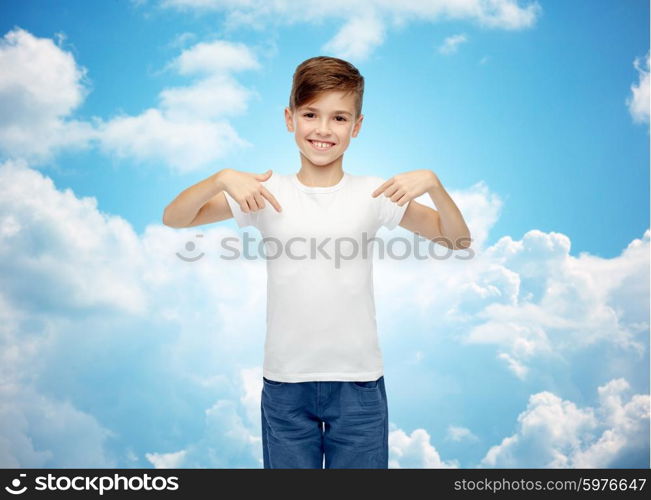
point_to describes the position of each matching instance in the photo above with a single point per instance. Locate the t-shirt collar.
(319, 189)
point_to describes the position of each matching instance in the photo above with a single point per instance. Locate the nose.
(323, 128)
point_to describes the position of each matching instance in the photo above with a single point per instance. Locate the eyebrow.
(310, 108)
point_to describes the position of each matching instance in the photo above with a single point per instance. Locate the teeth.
(321, 145)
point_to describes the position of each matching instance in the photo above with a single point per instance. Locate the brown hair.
(320, 74)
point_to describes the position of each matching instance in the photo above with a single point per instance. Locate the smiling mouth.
(321, 146)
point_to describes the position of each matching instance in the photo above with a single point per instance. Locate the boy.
(323, 400)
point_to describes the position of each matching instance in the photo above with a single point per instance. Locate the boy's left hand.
(402, 188)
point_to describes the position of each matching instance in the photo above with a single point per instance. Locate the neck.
(320, 175)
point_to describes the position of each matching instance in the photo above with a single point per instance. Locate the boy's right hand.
(247, 190)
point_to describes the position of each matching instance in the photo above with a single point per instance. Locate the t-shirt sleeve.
(390, 213)
(243, 219)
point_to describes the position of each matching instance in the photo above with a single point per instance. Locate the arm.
(199, 204)
(451, 223)
(446, 225)
(205, 202)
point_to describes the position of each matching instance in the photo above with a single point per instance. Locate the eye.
(343, 118)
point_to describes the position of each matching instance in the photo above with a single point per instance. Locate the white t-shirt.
(320, 309)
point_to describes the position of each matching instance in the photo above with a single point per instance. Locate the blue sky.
(534, 115)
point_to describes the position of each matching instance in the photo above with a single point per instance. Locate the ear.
(358, 126)
(289, 120)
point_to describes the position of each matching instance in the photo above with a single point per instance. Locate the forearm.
(453, 227)
(184, 208)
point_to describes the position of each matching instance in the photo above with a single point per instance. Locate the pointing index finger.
(272, 199)
(385, 185)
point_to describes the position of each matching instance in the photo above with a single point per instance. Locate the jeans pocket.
(282, 395)
(368, 392)
(370, 385)
(272, 383)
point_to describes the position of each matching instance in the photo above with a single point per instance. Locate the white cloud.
(85, 298)
(184, 144)
(232, 432)
(627, 428)
(58, 256)
(639, 103)
(39, 431)
(459, 433)
(357, 38)
(189, 129)
(518, 368)
(208, 99)
(227, 439)
(215, 58)
(182, 39)
(40, 87)
(365, 22)
(555, 433)
(451, 44)
(61, 243)
(173, 460)
(414, 451)
(556, 303)
(531, 299)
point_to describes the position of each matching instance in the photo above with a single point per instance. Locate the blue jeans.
(344, 422)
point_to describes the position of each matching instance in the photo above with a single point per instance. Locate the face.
(323, 131)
